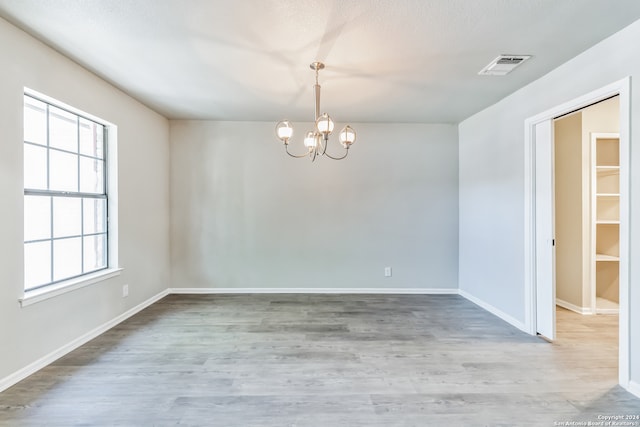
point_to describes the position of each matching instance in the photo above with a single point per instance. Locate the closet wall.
(570, 237)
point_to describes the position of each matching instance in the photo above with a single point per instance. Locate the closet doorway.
(587, 208)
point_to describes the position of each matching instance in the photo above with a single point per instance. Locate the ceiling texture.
(386, 60)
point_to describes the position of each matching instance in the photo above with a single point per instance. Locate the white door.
(545, 267)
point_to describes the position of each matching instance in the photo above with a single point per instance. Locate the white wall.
(492, 178)
(29, 333)
(245, 215)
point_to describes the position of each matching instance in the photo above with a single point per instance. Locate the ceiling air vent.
(503, 65)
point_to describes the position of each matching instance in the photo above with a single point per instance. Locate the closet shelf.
(607, 221)
(605, 306)
(603, 257)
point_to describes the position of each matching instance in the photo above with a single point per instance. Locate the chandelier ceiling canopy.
(316, 140)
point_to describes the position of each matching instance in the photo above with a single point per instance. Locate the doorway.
(540, 238)
(587, 208)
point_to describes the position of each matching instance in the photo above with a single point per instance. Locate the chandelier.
(317, 140)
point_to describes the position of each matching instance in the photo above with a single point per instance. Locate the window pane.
(63, 129)
(95, 216)
(91, 175)
(35, 167)
(63, 171)
(100, 138)
(91, 139)
(35, 121)
(95, 253)
(37, 264)
(37, 217)
(67, 216)
(67, 258)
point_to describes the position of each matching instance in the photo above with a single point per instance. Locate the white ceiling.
(386, 60)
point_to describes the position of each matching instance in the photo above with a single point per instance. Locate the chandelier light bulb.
(311, 141)
(347, 136)
(284, 130)
(324, 124)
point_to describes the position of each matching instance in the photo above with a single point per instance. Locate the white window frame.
(111, 183)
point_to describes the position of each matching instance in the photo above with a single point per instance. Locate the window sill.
(37, 295)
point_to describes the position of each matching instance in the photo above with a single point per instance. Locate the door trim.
(623, 89)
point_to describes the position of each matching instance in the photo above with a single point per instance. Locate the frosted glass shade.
(347, 136)
(284, 130)
(310, 141)
(324, 124)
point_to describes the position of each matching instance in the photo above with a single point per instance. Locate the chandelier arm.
(337, 158)
(323, 146)
(286, 148)
(324, 149)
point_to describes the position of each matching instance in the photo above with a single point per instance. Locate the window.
(65, 195)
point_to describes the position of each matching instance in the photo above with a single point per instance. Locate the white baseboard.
(573, 307)
(634, 388)
(421, 291)
(491, 309)
(32, 368)
(607, 311)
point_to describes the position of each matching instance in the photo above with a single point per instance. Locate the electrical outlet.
(125, 291)
(387, 272)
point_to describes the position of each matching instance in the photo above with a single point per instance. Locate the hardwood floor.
(326, 360)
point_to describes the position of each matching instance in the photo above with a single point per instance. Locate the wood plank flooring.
(326, 360)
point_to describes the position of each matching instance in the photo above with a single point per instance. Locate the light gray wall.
(245, 215)
(27, 334)
(492, 178)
